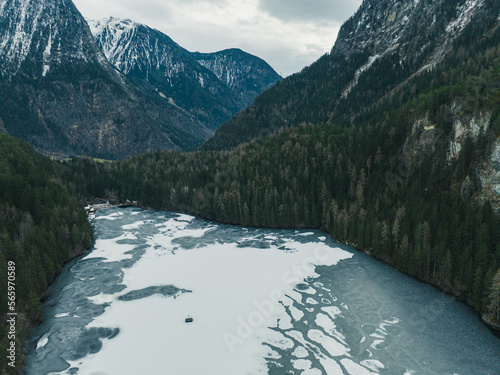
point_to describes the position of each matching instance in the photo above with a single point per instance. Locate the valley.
(388, 143)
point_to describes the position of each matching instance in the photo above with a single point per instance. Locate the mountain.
(378, 50)
(246, 75)
(59, 92)
(390, 143)
(211, 87)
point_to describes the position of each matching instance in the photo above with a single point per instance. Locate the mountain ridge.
(59, 92)
(389, 36)
(153, 60)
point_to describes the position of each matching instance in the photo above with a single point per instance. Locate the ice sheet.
(236, 295)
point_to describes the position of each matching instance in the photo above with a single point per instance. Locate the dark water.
(358, 317)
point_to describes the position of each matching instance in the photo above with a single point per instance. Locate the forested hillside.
(403, 163)
(388, 52)
(412, 177)
(42, 226)
(390, 188)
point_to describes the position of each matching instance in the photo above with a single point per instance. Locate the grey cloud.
(310, 10)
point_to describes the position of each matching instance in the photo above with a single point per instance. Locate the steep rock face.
(415, 35)
(378, 50)
(489, 176)
(59, 92)
(426, 140)
(210, 87)
(470, 126)
(421, 141)
(246, 75)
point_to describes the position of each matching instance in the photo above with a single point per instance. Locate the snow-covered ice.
(236, 294)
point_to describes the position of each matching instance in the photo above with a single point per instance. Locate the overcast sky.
(288, 34)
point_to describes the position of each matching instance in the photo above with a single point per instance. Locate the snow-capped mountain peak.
(115, 36)
(40, 35)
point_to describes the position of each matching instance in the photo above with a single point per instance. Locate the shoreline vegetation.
(377, 175)
(486, 318)
(44, 224)
(491, 323)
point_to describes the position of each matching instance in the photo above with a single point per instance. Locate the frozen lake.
(263, 301)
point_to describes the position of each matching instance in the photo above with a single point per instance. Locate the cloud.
(288, 34)
(310, 10)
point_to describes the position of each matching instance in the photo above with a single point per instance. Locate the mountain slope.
(416, 183)
(42, 226)
(155, 62)
(59, 92)
(378, 50)
(246, 75)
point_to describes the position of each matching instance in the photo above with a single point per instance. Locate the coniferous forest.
(386, 184)
(42, 226)
(376, 171)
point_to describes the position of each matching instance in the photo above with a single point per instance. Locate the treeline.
(42, 226)
(385, 184)
(417, 211)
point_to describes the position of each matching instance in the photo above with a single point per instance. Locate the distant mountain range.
(128, 90)
(212, 87)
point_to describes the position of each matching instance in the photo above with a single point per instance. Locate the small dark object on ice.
(189, 319)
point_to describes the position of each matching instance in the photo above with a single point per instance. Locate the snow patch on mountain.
(116, 36)
(46, 55)
(358, 73)
(2, 4)
(465, 13)
(16, 46)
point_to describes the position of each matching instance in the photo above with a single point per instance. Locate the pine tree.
(494, 306)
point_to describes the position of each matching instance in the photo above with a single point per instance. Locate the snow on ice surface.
(333, 311)
(300, 352)
(355, 369)
(301, 364)
(111, 250)
(112, 216)
(101, 299)
(296, 313)
(331, 367)
(273, 354)
(332, 346)
(43, 341)
(277, 339)
(231, 306)
(328, 325)
(313, 371)
(373, 364)
(285, 322)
